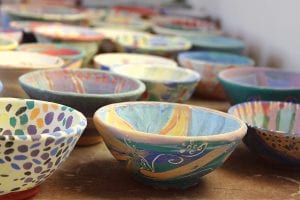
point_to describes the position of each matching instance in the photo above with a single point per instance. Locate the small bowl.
(83, 89)
(7, 44)
(140, 10)
(171, 84)
(110, 60)
(11, 33)
(36, 137)
(15, 63)
(84, 38)
(209, 65)
(273, 131)
(72, 56)
(168, 145)
(260, 83)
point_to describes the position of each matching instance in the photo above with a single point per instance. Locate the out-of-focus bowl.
(11, 33)
(36, 137)
(15, 63)
(209, 65)
(168, 145)
(260, 83)
(110, 60)
(84, 38)
(83, 89)
(72, 56)
(273, 131)
(172, 84)
(140, 10)
(7, 44)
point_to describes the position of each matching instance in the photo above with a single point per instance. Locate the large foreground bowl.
(172, 84)
(209, 65)
(35, 139)
(168, 145)
(273, 131)
(260, 83)
(15, 63)
(84, 89)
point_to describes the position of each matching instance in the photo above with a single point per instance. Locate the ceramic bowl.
(168, 145)
(143, 11)
(172, 84)
(107, 61)
(11, 33)
(209, 65)
(260, 83)
(83, 89)
(72, 56)
(36, 137)
(7, 44)
(216, 43)
(273, 131)
(15, 63)
(80, 37)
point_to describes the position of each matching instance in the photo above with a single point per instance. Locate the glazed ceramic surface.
(260, 83)
(273, 130)
(142, 11)
(13, 34)
(216, 43)
(162, 83)
(209, 65)
(27, 26)
(15, 63)
(72, 56)
(109, 60)
(168, 145)
(35, 139)
(7, 44)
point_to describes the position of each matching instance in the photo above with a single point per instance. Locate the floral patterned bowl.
(260, 83)
(171, 84)
(83, 89)
(36, 137)
(72, 56)
(107, 61)
(168, 145)
(273, 131)
(209, 65)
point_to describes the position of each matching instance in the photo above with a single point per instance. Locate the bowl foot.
(23, 195)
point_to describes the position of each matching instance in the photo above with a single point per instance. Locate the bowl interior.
(276, 116)
(167, 119)
(79, 82)
(262, 77)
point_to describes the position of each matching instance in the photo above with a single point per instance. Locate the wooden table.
(92, 173)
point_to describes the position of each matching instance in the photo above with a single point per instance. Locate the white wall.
(270, 28)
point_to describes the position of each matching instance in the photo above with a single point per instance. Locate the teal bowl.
(260, 83)
(168, 145)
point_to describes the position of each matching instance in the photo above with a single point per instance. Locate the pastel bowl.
(7, 44)
(260, 83)
(172, 84)
(72, 56)
(209, 65)
(83, 89)
(168, 145)
(11, 33)
(107, 61)
(15, 63)
(36, 137)
(273, 131)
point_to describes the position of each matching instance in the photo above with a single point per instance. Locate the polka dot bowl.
(273, 131)
(36, 137)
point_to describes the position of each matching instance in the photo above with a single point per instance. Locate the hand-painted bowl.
(140, 10)
(11, 33)
(273, 131)
(260, 83)
(168, 145)
(7, 44)
(83, 89)
(209, 65)
(80, 37)
(216, 43)
(15, 63)
(107, 61)
(172, 84)
(72, 56)
(36, 137)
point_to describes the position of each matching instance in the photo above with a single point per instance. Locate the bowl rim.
(44, 136)
(261, 88)
(281, 133)
(193, 76)
(186, 56)
(229, 136)
(138, 91)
